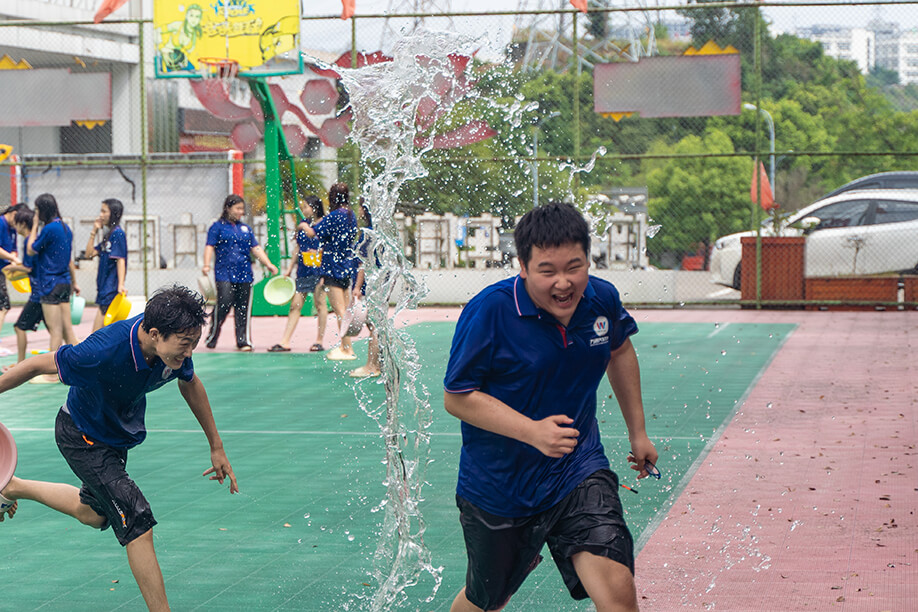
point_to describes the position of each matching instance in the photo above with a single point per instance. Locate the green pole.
(274, 140)
(143, 159)
(757, 51)
(355, 157)
(576, 105)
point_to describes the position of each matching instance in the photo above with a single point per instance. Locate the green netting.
(302, 533)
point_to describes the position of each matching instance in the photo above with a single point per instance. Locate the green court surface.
(303, 531)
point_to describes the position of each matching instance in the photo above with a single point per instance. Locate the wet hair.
(230, 201)
(338, 196)
(316, 204)
(13, 208)
(174, 309)
(367, 217)
(46, 207)
(551, 225)
(23, 216)
(115, 209)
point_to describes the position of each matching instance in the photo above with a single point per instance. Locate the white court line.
(719, 328)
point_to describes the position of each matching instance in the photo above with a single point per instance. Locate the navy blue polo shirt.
(109, 380)
(338, 232)
(53, 246)
(508, 348)
(310, 247)
(233, 243)
(110, 250)
(7, 240)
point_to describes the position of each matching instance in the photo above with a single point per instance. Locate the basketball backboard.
(262, 36)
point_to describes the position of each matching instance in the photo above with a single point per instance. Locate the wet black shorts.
(59, 295)
(107, 488)
(503, 551)
(307, 284)
(30, 316)
(340, 283)
(4, 295)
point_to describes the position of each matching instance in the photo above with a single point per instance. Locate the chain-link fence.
(664, 171)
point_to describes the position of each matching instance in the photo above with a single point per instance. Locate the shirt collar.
(525, 307)
(139, 362)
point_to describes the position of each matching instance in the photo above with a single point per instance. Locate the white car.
(853, 233)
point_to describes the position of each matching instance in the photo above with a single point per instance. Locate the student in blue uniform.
(8, 255)
(372, 368)
(30, 315)
(307, 261)
(338, 233)
(53, 249)
(526, 361)
(112, 252)
(232, 243)
(109, 375)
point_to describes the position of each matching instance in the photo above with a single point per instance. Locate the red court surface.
(806, 500)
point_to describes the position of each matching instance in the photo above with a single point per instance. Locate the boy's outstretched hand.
(642, 452)
(221, 469)
(553, 437)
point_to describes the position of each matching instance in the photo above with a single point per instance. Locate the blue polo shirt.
(53, 247)
(233, 244)
(109, 380)
(310, 246)
(508, 348)
(110, 250)
(7, 239)
(338, 232)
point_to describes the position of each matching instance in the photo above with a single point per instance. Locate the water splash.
(384, 99)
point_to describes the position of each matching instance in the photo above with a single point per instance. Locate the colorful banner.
(261, 35)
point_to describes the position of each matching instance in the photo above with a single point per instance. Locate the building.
(857, 45)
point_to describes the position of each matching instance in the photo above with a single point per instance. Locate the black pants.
(236, 296)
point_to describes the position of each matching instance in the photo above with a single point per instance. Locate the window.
(842, 214)
(895, 211)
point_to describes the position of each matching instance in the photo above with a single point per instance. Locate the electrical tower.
(418, 9)
(546, 40)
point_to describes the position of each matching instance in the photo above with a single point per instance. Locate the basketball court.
(770, 448)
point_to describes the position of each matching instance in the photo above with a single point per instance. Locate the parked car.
(883, 180)
(856, 233)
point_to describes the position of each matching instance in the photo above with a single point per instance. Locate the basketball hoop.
(219, 68)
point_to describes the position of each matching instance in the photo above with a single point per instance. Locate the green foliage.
(696, 200)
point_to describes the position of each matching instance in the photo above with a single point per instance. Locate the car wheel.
(736, 278)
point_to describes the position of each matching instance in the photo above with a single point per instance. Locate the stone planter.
(782, 268)
(876, 291)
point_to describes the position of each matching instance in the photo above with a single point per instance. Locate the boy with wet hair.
(109, 375)
(525, 365)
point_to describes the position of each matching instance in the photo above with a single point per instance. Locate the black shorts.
(4, 295)
(340, 283)
(107, 488)
(59, 295)
(30, 317)
(503, 551)
(307, 284)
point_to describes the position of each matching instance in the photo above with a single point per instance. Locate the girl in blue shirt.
(307, 259)
(52, 249)
(112, 252)
(8, 256)
(338, 232)
(232, 243)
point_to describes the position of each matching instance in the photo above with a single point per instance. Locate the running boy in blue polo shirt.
(525, 365)
(109, 375)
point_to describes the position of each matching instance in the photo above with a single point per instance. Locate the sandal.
(277, 348)
(316, 348)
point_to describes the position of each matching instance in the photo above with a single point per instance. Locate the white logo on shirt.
(244, 229)
(601, 326)
(167, 372)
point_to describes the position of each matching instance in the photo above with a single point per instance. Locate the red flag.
(768, 198)
(580, 5)
(107, 8)
(347, 8)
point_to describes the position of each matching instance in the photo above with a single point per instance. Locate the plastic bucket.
(279, 290)
(355, 317)
(118, 310)
(22, 285)
(207, 288)
(77, 303)
(8, 456)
